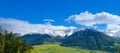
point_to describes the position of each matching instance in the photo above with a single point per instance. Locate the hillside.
(37, 39)
(89, 39)
(55, 48)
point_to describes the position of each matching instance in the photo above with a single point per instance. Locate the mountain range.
(86, 39)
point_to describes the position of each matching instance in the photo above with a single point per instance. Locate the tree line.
(12, 44)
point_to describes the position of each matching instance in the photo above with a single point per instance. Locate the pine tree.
(12, 44)
(118, 49)
(1, 43)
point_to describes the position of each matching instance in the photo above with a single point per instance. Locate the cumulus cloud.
(24, 27)
(112, 29)
(88, 19)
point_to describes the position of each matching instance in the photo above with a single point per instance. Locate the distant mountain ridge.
(89, 39)
(38, 39)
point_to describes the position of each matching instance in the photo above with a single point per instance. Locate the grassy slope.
(55, 48)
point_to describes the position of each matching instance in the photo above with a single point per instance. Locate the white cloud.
(24, 27)
(48, 21)
(89, 19)
(112, 29)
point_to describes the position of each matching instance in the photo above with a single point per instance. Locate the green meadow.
(55, 48)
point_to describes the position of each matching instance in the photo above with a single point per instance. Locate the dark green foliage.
(89, 39)
(118, 49)
(11, 44)
(1, 43)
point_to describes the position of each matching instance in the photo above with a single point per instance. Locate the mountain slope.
(37, 39)
(89, 39)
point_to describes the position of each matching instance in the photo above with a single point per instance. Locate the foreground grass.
(55, 48)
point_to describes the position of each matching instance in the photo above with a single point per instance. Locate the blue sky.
(98, 14)
(34, 11)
